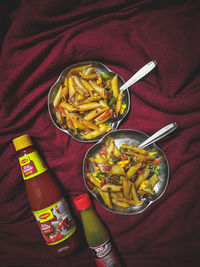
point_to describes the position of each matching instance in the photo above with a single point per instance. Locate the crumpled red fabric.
(38, 40)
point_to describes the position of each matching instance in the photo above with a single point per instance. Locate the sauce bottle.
(96, 234)
(46, 200)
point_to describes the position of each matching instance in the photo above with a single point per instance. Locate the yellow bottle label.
(55, 222)
(31, 165)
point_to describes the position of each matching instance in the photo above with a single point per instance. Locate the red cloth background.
(39, 39)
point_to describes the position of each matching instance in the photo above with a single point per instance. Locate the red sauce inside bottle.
(43, 191)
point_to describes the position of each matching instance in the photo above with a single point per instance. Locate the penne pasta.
(89, 124)
(119, 103)
(94, 134)
(72, 89)
(94, 113)
(142, 177)
(124, 182)
(68, 107)
(106, 197)
(98, 89)
(114, 86)
(79, 69)
(93, 97)
(88, 106)
(87, 86)
(57, 98)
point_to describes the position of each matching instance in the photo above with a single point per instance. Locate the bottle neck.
(26, 150)
(95, 232)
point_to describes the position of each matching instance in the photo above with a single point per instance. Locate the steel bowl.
(131, 137)
(101, 68)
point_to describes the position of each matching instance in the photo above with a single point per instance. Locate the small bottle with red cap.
(96, 234)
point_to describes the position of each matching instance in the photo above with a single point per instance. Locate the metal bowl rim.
(58, 80)
(151, 201)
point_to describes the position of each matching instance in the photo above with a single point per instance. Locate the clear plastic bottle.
(96, 234)
(46, 200)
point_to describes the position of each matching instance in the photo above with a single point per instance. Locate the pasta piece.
(126, 188)
(106, 198)
(142, 177)
(98, 159)
(133, 169)
(79, 99)
(91, 76)
(120, 202)
(57, 98)
(94, 181)
(88, 106)
(125, 202)
(107, 115)
(69, 122)
(119, 103)
(78, 85)
(153, 180)
(94, 113)
(68, 107)
(78, 69)
(87, 86)
(135, 149)
(114, 86)
(101, 131)
(89, 70)
(79, 125)
(72, 89)
(98, 89)
(110, 146)
(111, 187)
(116, 195)
(116, 169)
(135, 195)
(89, 124)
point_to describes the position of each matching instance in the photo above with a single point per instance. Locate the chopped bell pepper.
(105, 115)
(112, 101)
(61, 109)
(123, 163)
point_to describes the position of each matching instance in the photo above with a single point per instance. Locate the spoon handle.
(159, 134)
(139, 74)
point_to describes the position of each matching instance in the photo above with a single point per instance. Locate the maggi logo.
(44, 216)
(24, 161)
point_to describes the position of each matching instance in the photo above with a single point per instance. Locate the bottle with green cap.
(96, 234)
(46, 200)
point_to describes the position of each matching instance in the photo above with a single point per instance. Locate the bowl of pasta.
(124, 178)
(85, 102)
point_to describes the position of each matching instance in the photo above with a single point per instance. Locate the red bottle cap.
(82, 202)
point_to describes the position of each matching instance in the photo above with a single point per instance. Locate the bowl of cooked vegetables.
(124, 178)
(85, 102)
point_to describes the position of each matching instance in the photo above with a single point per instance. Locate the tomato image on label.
(64, 224)
(55, 222)
(46, 228)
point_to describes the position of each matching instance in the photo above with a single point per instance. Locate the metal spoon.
(158, 135)
(139, 74)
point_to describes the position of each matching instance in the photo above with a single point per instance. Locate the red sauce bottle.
(46, 200)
